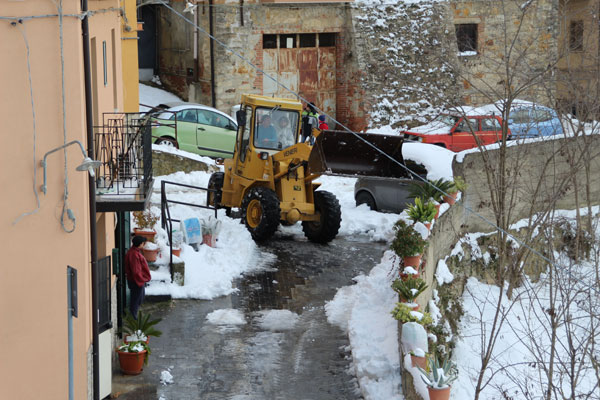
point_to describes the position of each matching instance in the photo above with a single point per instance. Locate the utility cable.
(65, 209)
(19, 25)
(417, 176)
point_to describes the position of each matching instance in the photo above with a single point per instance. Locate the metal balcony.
(123, 144)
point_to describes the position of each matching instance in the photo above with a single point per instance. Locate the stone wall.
(516, 42)
(408, 53)
(166, 163)
(459, 219)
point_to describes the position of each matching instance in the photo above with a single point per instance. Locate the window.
(326, 39)
(287, 41)
(246, 135)
(520, 116)
(542, 115)
(308, 40)
(467, 125)
(187, 116)
(490, 124)
(269, 41)
(576, 36)
(466, 37)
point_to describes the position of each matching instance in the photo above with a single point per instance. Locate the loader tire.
(261, 213)
(326, 229)
(215, 182)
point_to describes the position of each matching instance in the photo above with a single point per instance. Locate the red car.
(458, 133)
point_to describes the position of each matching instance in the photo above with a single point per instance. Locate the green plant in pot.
(133, 356)
(404, 313)
(140, 329)
(439, 377)
(408, 244)
(432, 189)
(145, 221)
(409, 289)
(422, 211)
(457, 185)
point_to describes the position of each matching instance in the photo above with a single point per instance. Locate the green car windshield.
(275, 129)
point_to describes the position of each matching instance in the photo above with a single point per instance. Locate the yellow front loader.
(271, 175)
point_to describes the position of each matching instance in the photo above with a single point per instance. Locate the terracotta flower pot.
(437, 213)
(176, 252)
(149, 235)
(451, 199)
(418, 361)
(209, 240)
(439, 394)
(412, 261)
(150, 255)
(427, 225)
(131, 363)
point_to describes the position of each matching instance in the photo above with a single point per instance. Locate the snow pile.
(226, 316)
(166, 377)
(364, 312)
(436, 159)
(152, 97)
(277, 320)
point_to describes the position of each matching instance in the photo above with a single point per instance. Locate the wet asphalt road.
(309, 362)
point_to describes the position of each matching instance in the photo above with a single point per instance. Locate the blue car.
(530, 120)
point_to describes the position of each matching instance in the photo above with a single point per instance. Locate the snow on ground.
(151, 96)
(277, 320)
(227, 316)
(363, 311)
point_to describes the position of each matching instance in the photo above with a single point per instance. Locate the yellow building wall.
(35, 249)
(129, 45)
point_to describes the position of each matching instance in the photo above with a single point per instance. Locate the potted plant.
(150, 251)
(431, 189)
(457, 185)
(417, 358)
(422, 211)
(409, 289)
(177, 241)
(133, 356)
(139, 329)
(145, 221)
(210, 230)
(408, 244)
(403, 313)
(439, 378)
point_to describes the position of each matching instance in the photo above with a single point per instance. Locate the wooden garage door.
(304, 63)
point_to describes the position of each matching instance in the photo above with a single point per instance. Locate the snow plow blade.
(346, 154)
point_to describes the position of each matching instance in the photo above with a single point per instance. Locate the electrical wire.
(414, 174)
(65, 210)
(19, 25)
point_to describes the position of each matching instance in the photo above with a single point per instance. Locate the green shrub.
(409, 289)
(145, 219)
(144, 325)
(403, 313)
(407, 241)
(459, 184)
(136, 347)
(421, 211)
(429, 189)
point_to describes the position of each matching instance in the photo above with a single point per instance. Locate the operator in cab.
(267, 135)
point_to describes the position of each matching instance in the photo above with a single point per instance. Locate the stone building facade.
(379, 63)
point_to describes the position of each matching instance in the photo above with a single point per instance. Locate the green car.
(195, 128)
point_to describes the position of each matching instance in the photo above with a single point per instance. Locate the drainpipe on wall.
(89, 116)
(212, 54)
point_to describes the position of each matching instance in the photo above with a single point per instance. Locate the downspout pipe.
(212, 54)
(89, 116)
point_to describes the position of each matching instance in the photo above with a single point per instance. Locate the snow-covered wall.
(406, 51)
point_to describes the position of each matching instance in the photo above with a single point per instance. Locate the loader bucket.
(346, 154)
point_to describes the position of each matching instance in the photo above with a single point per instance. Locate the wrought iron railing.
(165, 213)
(123, 145)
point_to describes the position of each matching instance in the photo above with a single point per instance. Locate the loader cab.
(266, 125)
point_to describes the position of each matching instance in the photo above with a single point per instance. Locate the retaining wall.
(545, 166)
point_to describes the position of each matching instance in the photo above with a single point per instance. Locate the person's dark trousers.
(136, 297)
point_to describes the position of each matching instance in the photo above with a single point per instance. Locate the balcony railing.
(124, 146)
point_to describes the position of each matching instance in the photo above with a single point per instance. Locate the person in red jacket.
(322, 124)
(137, 272)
